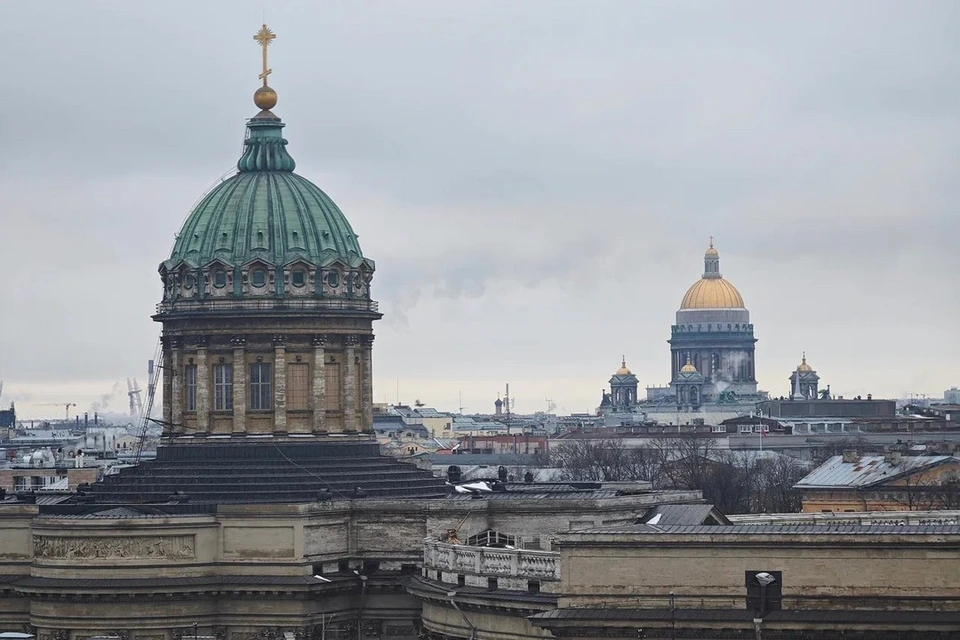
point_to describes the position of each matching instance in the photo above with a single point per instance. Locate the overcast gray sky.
(536, 180)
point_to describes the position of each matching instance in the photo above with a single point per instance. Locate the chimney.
(850, 456)
(892, 457)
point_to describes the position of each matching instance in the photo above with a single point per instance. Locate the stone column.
(366, 392)
(239, 385)
(166, 370)
(319, 388)
(203, 388)
(176, 392)
(349, 384)
(279, 384)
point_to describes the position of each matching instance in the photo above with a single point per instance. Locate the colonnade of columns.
(354, 408)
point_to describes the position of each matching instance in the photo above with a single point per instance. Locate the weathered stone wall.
(250, 569)
(819, 571)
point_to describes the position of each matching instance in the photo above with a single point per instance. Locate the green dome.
(266, 212)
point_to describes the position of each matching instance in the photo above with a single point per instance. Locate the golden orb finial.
(265, 98)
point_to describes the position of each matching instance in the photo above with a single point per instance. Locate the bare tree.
(775, 492)
(597, 460)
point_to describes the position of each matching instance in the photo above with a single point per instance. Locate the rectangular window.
(223, 387)
(261, 395)
(298, 386)
(190, 380)
(332, 390)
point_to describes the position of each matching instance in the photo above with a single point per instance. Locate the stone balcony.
(491, 567)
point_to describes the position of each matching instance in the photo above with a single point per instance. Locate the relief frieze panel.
(141, 547)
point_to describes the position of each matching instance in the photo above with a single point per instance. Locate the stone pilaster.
(279, 384)
(239, 385)
(319, 396)
(176, 391)
(166, 370)
(366, 392)
(203, 388)
(349, 384)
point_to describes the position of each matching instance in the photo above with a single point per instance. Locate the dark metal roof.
(774, 529)
(539, 495)
(722, 615)
(682, 514)
(159, 583)
(264, 472)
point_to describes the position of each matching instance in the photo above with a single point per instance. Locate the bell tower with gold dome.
(713, 336)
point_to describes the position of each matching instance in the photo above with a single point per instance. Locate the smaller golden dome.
(803, 366)
(688, 368)
(265, 98)
(711, 252)
(623, 371)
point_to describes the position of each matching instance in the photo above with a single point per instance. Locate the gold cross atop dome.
(265, 97)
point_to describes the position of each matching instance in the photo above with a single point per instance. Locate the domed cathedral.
(267, 344)
(712, 338)
(267, 312)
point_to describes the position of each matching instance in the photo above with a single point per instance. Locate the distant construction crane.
(151, 392)
(136, 402)
(66, 406)
(138, 393)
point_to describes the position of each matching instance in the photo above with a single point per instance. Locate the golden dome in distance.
(712, 294)
(688, 368)
(623, 371)
(803, 366)
(712, 291)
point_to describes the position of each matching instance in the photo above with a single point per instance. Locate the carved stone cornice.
(238, 342)
(366, 341)
(200, 342)
(350, 340)
(320, 340)
(279, 340)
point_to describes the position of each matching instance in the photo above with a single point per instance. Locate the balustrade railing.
(491, 561)
(267, 304)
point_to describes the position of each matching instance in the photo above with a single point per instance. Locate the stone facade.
(886, 582)
(250, 571)
(319, 377)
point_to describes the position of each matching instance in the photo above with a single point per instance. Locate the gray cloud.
(535, 180)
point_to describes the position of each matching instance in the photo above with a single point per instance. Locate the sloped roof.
(679, 514)
(867, 471)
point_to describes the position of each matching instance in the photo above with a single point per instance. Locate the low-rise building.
(685, 572)
(891, 482)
